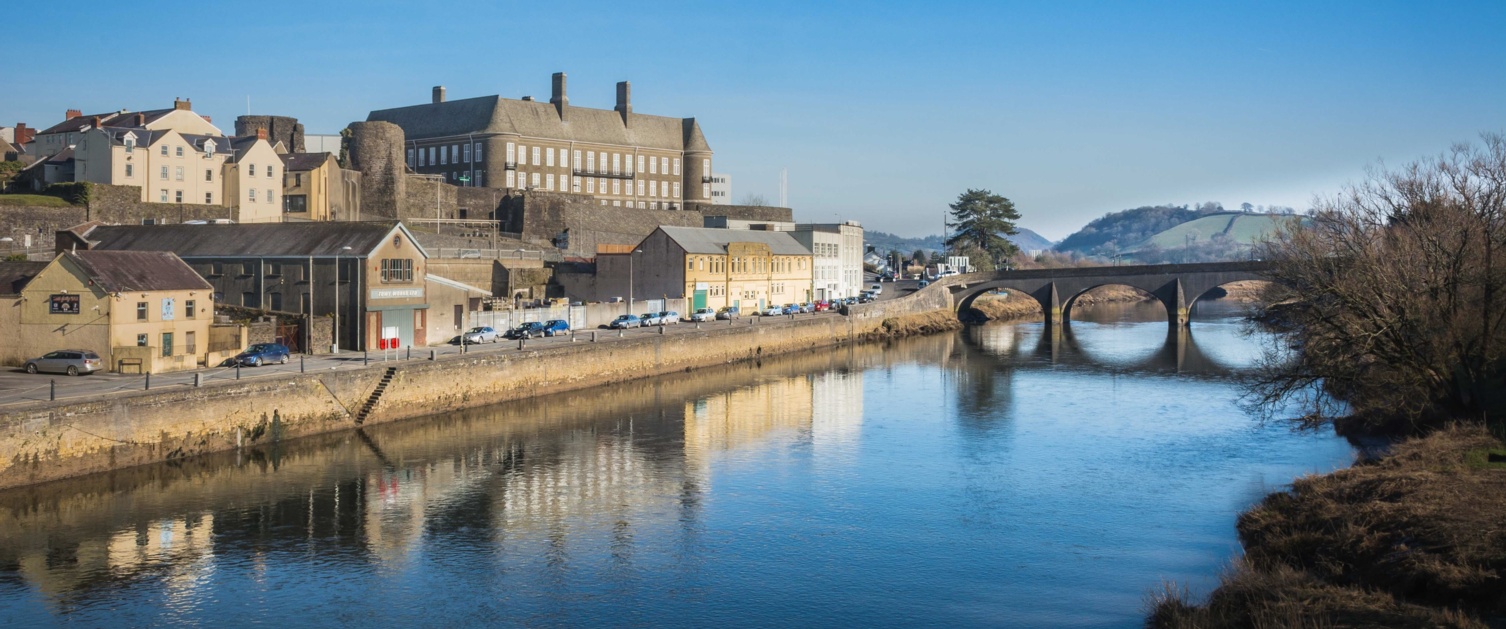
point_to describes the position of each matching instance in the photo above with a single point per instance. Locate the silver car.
(70, 361)
(703, 314)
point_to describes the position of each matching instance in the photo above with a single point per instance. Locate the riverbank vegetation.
(1393, 329)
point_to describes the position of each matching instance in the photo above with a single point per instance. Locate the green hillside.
(1230, 228)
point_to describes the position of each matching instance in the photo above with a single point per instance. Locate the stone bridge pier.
(1176, 286)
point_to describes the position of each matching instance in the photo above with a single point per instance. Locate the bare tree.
(1398, 296)
(754, 199)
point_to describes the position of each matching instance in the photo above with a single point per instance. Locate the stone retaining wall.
(50, 441)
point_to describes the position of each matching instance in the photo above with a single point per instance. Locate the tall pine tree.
(982, 221)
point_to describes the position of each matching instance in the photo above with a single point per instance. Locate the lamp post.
(630, 280)
(335, 347)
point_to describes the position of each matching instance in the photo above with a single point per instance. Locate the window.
(140, 340)
(397, 270)
(640, 187)
(177, 196)
(550, 182)
(164, 195)
(164, 150)
(251, 170)
(616, 163)
(640, 164)
(178, 173)
(297, 180)
(209, 198)
(677, 166)
(411, 163)
(478, 151)
(164, 175)
(575, 184)
(271, 198)
(653, 188)
(208, 174)
(276, 299)
(616, 186)
(467, 153)
(443, 156)
(431, 156)
(664, 165)
(249, 300)
(167, 343)
(271, 172)
(454, 154)
(252, 193)
(548, 157)
(421, 161)
(705, 167)
(480, 178)
(129, 169)
(564, 158)
(535, 182)
(511, 183)
(602, 157)
(178, 151)
(190, 345)
(141, 311)
(590, 185)
(188, 309)
(511, 157)
(535, 156)
(576, 164)
(653, 166)
(590, 162)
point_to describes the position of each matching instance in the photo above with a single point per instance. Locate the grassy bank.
(33, 200)
(1414, 539)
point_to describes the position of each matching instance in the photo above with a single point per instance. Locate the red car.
(823, 306)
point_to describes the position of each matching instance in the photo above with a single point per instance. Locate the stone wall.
(51, 440)
(578, 223)
(744, 212)
(283, 129)
(376, 149)
(122, 205)
(427, 199)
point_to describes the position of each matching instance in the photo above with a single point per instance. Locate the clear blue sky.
(882, 112)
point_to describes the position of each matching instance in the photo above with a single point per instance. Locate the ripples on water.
(996, 477)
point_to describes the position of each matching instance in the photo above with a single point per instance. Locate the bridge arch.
(1056, 289)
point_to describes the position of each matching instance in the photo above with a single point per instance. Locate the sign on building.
(63, 304)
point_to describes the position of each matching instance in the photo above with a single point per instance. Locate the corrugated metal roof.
(254, 240)
(123, 271)
(710, 240)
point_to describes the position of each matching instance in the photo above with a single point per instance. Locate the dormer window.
(208, 147)
(130, 142)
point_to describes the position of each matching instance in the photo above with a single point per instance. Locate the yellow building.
(710, 268)
(315, 188)
(145, 310)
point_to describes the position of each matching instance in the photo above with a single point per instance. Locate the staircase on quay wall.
(376, 395)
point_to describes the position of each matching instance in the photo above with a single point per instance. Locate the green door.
(699, 301)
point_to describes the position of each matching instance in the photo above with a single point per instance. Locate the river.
(991, 477)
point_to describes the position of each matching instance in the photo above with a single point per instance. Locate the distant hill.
(1119, 231)
(882, 242)
(1232, 228)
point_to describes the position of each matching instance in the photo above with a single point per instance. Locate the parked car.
(669, 317)
(923, 284)
(650, 318)
(703, 314)
(790, 309)
(729, 312)
(876, 289)
(625, 321)
(70, 361)
(865, 297)
(556, 327)
(823, 306)
(261, 354)
(527, 330)
(483, 334)
(772, 311)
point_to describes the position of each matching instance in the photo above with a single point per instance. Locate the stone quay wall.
(55, 440)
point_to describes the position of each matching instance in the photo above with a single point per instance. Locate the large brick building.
(621, 158)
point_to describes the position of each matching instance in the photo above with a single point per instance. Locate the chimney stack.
(23, 134)
(438, 94)
(141, 120)
(183, 104)
(557, 95)
(72, 113)
(261, 133)
(624, 100)
(96, 122)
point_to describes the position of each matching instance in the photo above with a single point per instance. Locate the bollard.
(410, 353)
(365, 358)
(52, 393)
(237, 371)
(300, 363)
(431, 354)
(593, 336)
(520, 341)
(196, 380)
(698, 325)
(148, 381)
(619, 332)
(661, 330)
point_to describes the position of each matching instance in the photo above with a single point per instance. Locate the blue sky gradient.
(883, 112)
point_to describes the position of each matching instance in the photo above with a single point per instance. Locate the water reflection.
(943, 480)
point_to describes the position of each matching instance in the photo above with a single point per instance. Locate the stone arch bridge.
(1177, 286)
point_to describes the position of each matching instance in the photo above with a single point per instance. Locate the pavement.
(19, 388)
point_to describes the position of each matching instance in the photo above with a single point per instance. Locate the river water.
(993, 477)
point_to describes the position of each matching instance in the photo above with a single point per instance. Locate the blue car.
(262, 354)
(556, 327)
(790, 309)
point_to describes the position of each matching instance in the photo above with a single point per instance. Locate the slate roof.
(269, 240)
(124, 271)
(539, 119)
(111, 119)
(61, 157)
(715, 241)
(14, 276)
(144, 137)
(296, 162)
(221, 143)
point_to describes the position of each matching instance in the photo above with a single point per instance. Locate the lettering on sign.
(397, 293)
(63, 304)
(167, 309)
(702, 286)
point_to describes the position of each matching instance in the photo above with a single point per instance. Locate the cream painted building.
(168, 167)
(253, 180)
(139, 310)
(75, 124)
